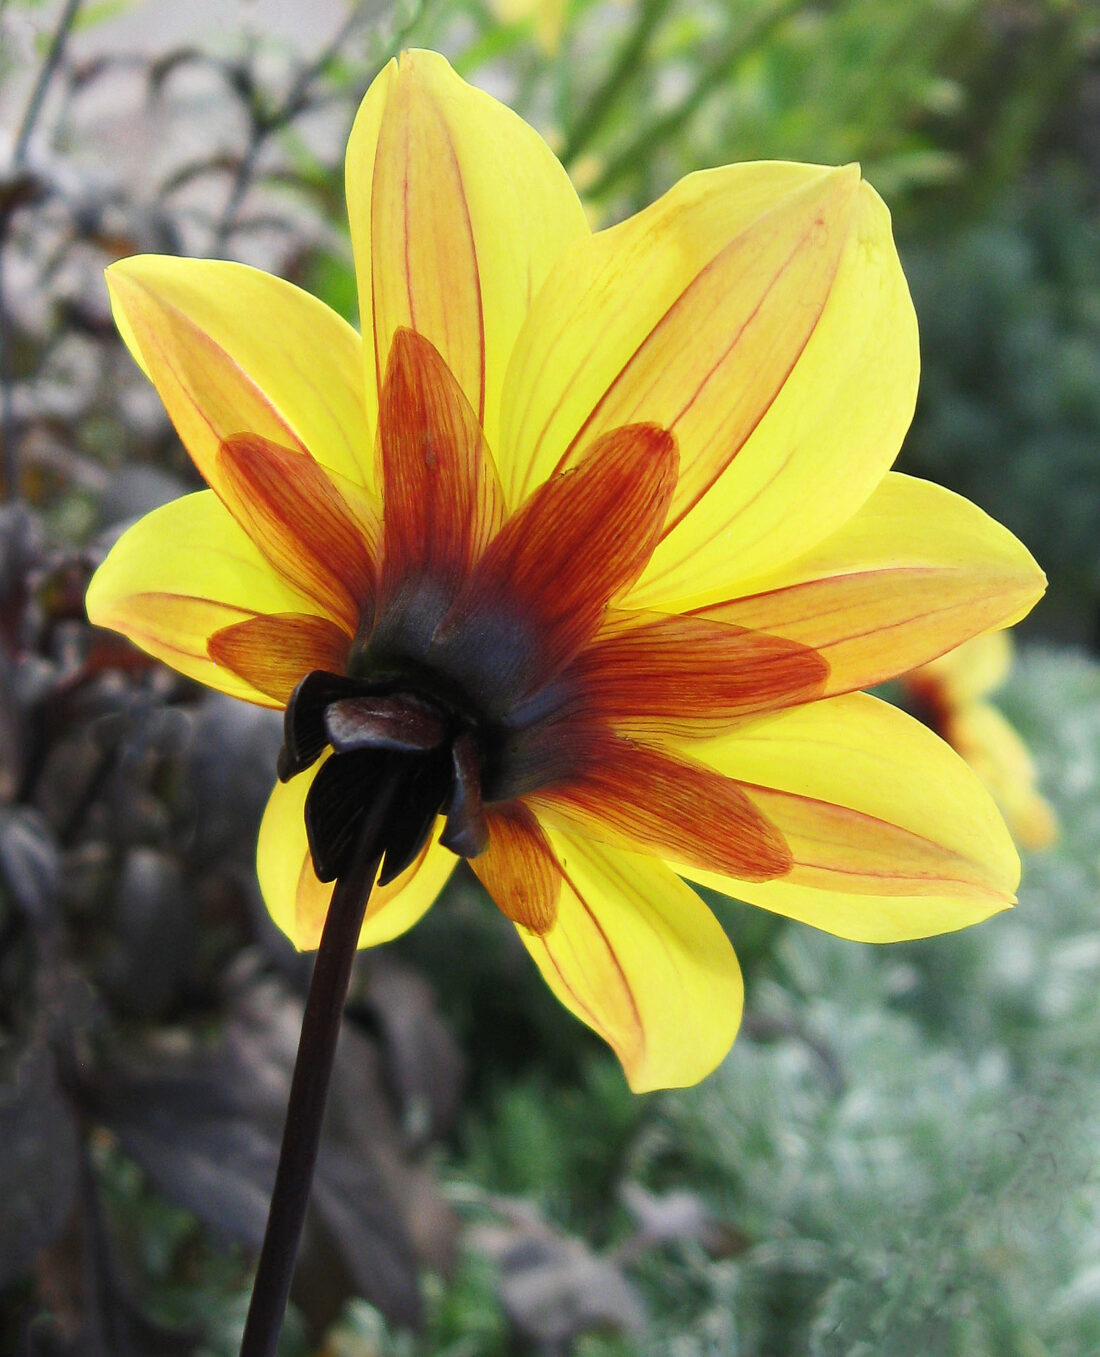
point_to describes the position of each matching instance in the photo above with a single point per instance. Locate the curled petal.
(182, 574)
(458, 210)
(442, 499)
(684, 812)
(298, 902)
(233, 350)
(689, 675)
(636, 955)
(892, 835)
(301, 523)
(519, 869)
(540, 589)
(275, 653)
(916, 572)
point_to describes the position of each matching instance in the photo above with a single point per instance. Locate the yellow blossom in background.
(948, 695)
(547, 16)
(576, 556)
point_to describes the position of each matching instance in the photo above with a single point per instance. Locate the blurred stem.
(652, 134)
(305, 1112)
(42, 84)
(9, 468)
(263, 124)
(631, 57)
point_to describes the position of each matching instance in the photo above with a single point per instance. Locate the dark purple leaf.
(38, 1175)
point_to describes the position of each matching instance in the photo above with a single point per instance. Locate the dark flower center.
(396, 730)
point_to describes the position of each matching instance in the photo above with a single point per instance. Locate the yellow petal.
(636, 955)
(893, 836)
(298, 902)
(995, 751)
(180, 575)
(971, 670)
(759, 312)
(234, 350)
(458, 211)
(917, 571)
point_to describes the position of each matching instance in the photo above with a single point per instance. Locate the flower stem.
(328, 990)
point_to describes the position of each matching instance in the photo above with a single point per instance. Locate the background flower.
(948, 696)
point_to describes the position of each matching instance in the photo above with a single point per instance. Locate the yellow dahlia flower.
(949, 695)
(580, 550)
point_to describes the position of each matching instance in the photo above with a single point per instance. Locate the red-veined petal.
(295, 515)
(442, 498)
(233, 350)
(299, 903)
(917, 571)
(760, 313)
(519, 869)
(893, 836)
(636, 955)
(540, 589)
(688, 675)
(643, 798)
(180, 575)
(458, 211)
(275, 653)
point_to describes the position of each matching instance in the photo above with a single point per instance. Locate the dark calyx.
(384, 730)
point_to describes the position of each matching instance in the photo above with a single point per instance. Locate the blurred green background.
(899, 1155)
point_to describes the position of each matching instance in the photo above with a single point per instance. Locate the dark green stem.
(328, 990)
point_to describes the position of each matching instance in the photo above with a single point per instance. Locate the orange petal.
(442, 499)
(296, 516)
(689, 674)
(685, 812)
(540, 589)
(636, 955)
(275, 653)
(519, 869)
(916, 572)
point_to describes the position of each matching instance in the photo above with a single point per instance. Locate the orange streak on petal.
(637, 955)
(686, 674)
(424, 265)
(275, 653)
(176, 629)
(871, 625)
(581, 538)
(519, 869)
(583, 961)
(640, 796)
(443, 501)
(298, 519)
(835, 846)
(691, 314)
